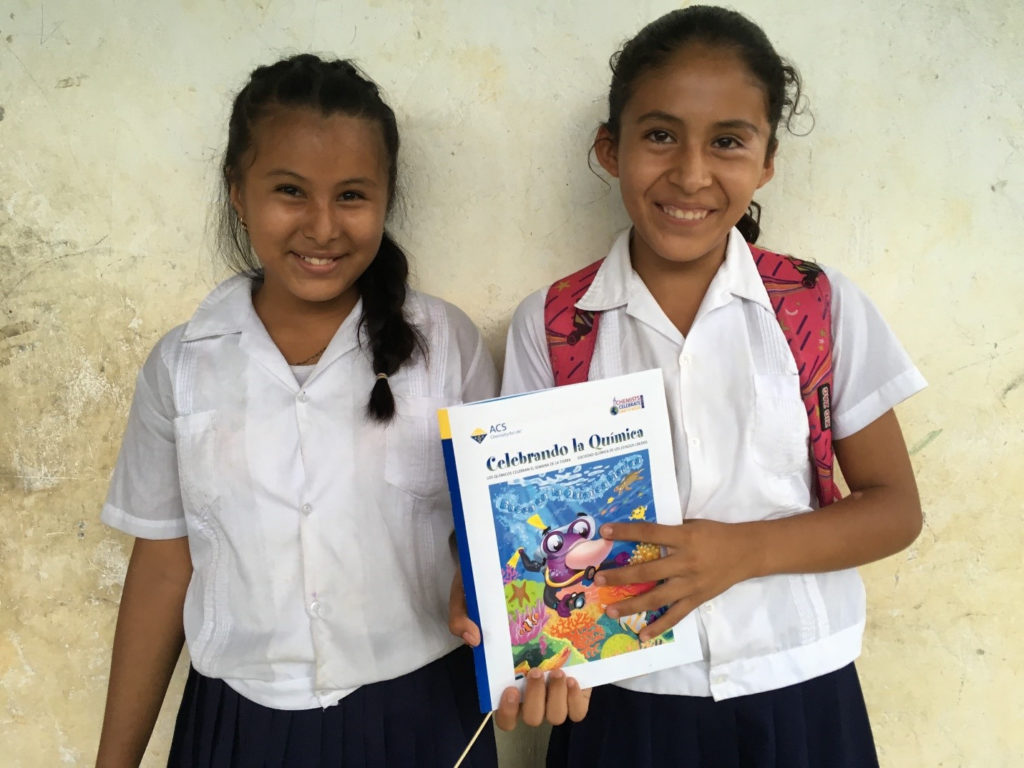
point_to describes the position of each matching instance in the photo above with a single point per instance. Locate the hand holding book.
(702, 559)
(559, 698)
(533, 478)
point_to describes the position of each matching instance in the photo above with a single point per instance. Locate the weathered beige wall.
(111, 120)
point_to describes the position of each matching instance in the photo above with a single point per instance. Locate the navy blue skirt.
(424, 718)
(821, 723)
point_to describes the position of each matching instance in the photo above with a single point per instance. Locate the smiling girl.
(281, 470)
(695, 104)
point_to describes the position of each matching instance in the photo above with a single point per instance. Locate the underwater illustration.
(547, 529)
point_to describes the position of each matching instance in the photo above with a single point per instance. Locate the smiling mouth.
(685, 214)
(315, 261)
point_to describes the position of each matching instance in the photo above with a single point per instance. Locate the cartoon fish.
(627, 482)
(634, 622)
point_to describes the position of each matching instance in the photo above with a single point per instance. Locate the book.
(532, 478)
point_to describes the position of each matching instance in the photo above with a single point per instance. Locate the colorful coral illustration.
(547, 526)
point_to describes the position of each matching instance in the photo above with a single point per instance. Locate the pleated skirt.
(422, 719)
(821, 723)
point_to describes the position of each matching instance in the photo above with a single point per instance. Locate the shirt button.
(307, 508)
(718, 679)
(302, 397)
(695, 441)
(314, 608)
(709, 607)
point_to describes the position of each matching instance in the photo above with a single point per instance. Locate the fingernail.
(468, 638)
(558, 674)
(606, 530)
(535, 673)
(510, 696)
(572, 684)
(599, 580)
(613, 613)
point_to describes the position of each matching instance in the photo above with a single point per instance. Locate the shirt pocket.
(413, 460)
(195, 438)
(779, 428)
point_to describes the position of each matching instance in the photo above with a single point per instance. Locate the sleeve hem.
(883, 399)
(140, 527)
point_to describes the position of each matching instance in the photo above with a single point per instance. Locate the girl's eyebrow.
(736, 124)
(364, 180)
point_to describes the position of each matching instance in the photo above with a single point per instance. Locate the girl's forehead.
(287, 127)
(310, 139)
(702, 77)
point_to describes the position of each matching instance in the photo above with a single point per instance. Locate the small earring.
(242, 222)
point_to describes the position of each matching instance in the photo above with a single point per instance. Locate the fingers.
(651, 600)
(671, 617)
(655, 570)
(557, 699)
(578, 700)
(507, 713)
(534, 698)
(464, 627)
(652, 533)
(459, 623)
(558, 694)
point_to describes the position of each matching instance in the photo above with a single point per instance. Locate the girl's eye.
(659, 136)
(288, 189)
(727, 142)
(350, 195)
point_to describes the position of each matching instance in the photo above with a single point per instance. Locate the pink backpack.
(799, 292)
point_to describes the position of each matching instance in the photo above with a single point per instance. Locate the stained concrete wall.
(112, 116)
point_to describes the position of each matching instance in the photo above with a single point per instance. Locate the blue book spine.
(468, 584)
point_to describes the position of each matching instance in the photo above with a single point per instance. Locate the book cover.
(532, 478)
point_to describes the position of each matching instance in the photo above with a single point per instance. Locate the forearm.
(866, 526)
(881, 516)
(147, 643)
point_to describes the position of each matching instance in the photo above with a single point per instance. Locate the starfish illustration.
(519, 593)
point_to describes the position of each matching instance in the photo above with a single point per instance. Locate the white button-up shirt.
(740, 435)
(319, 537)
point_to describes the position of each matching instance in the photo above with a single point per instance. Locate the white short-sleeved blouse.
(740, 436)
(319, 538)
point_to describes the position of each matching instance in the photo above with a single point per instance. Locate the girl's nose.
(691, 170)
(322, 222)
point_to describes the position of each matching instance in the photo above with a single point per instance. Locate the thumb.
(459, 623)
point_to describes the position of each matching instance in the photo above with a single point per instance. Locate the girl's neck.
(677, 286)
(301, 330)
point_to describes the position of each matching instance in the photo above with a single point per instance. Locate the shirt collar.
(737, 276)
(228, 309)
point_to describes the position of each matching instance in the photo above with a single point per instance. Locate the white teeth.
(687, 215)
(317, 262)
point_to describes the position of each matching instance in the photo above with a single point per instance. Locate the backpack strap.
(801, 296)
(571, 332)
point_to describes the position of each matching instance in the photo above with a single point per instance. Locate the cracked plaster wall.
(112, 116)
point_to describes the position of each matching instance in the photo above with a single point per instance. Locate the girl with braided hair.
(281, 469)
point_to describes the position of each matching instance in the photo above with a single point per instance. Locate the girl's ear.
(235, 195)
(769, 168)
(607, 151)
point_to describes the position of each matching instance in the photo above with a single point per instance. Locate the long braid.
(332, 87)
(392, 339)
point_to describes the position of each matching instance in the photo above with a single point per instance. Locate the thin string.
(472, 741)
